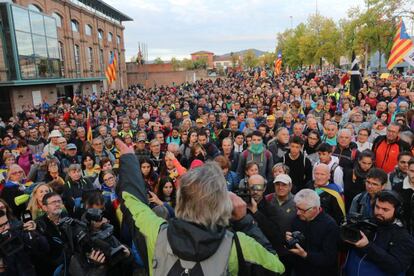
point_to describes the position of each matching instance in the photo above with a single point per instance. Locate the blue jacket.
(232, 180)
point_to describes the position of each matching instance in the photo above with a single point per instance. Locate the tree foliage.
(158, 60)
(366, 30)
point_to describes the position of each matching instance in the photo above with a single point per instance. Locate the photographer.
(95, 250)
(391, 251)
(17, 242)
(264, 213)
(362, 204)
(314, 237)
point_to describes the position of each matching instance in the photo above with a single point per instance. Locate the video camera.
(350, 229)
(79, 234)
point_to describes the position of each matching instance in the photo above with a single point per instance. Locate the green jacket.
(148, 223)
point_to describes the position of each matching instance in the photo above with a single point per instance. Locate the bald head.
(256, 179)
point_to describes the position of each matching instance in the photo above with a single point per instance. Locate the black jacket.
(266, 217)
(321, 244)
(300, 171)
(347, 156)
(73, 194)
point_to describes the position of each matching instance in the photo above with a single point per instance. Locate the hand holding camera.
(293, 240)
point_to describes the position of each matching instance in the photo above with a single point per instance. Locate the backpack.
(165, 263)
(332, 172)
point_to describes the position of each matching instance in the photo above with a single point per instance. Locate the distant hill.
(241, 53)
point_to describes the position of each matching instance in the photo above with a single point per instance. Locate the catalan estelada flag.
(401, 46)
(88, 126)
(111, 69)
(278, 64)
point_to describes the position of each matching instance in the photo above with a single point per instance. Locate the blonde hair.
(33, 206)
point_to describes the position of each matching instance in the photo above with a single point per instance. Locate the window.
(100, 34)
(58, 19)
(75, 25)
(77, 60)
(88, 29)
(101, 60)
(37, 45)
(89, 54)
(34, 8)
(62, 59)
(109, 36)
(118, 39)
(110, 57)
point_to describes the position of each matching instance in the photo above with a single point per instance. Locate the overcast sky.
(176, 28)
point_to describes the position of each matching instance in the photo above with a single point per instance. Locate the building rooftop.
(202, 52)
(105, 9)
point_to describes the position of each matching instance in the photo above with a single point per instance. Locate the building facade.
(208, 56)
(57, 48)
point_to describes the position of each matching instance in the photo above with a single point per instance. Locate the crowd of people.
(244, 175)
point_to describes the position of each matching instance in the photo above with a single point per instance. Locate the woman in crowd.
(14, 187)
(311, 144)
(35, 203)
(150, 176)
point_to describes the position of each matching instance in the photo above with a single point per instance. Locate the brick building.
(55, 48)
(206, 55)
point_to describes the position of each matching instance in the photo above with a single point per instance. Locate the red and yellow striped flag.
(278, 64)
(88, 126)
(401, 46)
(111, 69)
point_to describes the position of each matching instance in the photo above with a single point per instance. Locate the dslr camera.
(350, 229)
(297, 238)
(83, 240)
(244, 193)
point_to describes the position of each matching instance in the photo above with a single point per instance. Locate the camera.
(244, 194)
(297, 238)
(83, 240)
(350, 229)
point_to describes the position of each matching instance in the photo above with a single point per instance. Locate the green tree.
(200, 63)
(235, 59)
(267, 59)
(187, 64)
(249, 59)
(175, 64)
(158, 60)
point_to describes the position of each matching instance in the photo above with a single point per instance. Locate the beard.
(380, 220)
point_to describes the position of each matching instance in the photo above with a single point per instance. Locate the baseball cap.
(141, 139)
(271, 118)
(71, 146)
(284, 178)
(199, 120)
(186, 113)
(55, 133)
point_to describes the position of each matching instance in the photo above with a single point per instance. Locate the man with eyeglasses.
(264, 213)
(362, 204)
(100, 152)
(47, 262)
(318, 253)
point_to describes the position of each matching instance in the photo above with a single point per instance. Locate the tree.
(200, 63)
(235, 59)
(175, 64)
(249, 59)
(187, 64)
(267, 59)
(158, 60)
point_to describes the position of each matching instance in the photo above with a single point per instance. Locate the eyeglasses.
(16, 172)
(257, 187)
(303, 210)
(58, 201)
(109, 178)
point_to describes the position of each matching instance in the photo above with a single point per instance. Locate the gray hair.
(343, 130)
(203, 198)
(309, 197)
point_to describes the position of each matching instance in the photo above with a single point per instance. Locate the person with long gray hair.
(197, 241)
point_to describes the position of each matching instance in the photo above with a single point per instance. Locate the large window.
(110, 36)
(101, 60)
(77, 60)
(88, 29)
(58, 19)
(37, 45)
(62, 59)
(34, 8)
(74, 25)
(89, 54)
(100, 34)
(118, 39)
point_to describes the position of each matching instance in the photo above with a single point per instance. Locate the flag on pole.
(356, 81)
(111, 69)
(402, 47)
(278, 63)
(88, 126)
(140, 60)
